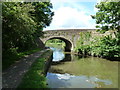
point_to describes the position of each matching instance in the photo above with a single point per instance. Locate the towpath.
(12, 77)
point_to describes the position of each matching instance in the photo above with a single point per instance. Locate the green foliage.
(108, 16)
(106, 46)
(56, 43)
(17, 25)
(83, 44)
(42, 15)
(23, 23)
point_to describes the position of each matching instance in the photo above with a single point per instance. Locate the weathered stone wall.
(48, 62)
(69, 35)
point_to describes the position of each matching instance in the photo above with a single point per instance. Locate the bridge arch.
(69, 44)
(69, 36)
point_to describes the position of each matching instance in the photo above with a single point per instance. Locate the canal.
(72, 71)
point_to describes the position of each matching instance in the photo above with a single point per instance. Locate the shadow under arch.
(68, 46)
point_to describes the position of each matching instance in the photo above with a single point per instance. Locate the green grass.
(10, 59)
(35, 77)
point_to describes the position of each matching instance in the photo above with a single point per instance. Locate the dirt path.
(11, 77)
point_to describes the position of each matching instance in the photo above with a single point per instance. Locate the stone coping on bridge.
(71, 30)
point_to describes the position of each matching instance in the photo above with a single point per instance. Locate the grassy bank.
(11, 58)
(35, 77)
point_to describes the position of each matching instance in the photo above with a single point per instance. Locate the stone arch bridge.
(69, 36)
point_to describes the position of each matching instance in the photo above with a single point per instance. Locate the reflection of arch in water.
(68, 43)
(67, 58)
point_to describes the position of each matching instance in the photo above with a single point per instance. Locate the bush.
(107, 46)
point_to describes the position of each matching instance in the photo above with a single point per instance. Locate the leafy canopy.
(108, 16)
(22, 25)
(23, 22)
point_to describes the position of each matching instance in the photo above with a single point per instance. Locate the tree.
(18, 26)
(22, 25)
(108, 16)
(42, 15)
(23, 22)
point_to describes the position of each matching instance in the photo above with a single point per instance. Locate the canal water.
(72, 71)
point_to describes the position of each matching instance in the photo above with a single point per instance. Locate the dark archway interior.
(67, 42)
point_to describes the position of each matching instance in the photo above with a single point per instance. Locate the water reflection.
(58, 54)
(72, 81)
(75, 72)
(67, 58)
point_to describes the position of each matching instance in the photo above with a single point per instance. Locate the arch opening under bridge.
(68, 46)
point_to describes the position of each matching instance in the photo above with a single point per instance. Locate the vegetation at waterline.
(107, 18)
(35, 77)
(83, 43)
(105, 46)
(55, 43)
(23, 23)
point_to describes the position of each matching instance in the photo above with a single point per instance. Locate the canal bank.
(27, 71)
(35, 77)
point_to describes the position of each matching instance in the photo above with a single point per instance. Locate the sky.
(73, 14)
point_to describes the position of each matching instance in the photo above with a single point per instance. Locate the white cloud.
(95, 9)
(74, 0)
(73, 16)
